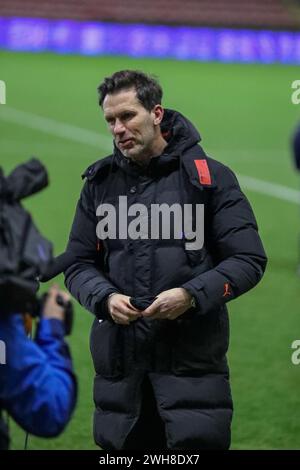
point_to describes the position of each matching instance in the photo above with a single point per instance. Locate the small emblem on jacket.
(227, 290)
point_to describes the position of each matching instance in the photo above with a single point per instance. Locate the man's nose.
(119, 127)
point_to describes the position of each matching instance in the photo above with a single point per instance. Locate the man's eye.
(127, 116)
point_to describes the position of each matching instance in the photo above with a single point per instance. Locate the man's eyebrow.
(108, 117)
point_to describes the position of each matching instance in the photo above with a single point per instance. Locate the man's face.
(135, 130)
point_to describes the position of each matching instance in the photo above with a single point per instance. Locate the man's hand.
(121, 310)
(169, 304)
(51, 308)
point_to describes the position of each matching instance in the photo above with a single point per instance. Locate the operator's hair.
(148, 90)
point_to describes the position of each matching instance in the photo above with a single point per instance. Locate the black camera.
(26, 256)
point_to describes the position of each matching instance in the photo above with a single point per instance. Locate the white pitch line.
(101, 141)
(278, 191)
(56, 128)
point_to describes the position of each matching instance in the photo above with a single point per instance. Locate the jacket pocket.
(105, 347)
(200, 342)
(195, 257)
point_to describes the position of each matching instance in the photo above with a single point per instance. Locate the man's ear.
(158, 113)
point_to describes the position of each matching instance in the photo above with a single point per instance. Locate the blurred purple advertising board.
(138, 40)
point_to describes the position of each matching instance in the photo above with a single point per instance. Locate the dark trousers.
(149, 431)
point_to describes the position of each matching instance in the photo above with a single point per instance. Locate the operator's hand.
(121, 310)
(51, 308)
(169, 304)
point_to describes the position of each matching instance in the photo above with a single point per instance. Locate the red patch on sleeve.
(227, 290)
(203, 171)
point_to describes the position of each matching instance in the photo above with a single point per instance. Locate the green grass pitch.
(245, 116)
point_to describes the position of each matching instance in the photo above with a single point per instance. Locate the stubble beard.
(141, 157)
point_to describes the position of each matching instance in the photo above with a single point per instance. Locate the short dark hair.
(148, 90)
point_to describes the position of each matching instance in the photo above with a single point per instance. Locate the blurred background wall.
(228, 31)
(252, 13)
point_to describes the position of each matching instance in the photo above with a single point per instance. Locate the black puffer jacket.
(4, 437)
(191, 349)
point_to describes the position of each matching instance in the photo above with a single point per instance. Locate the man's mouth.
(126, 143)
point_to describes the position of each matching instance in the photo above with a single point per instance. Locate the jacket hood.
(179, 132)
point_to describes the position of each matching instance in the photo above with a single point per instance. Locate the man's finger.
(127, 312)
(131, 307)
(118, 317)
(126, 306)
(152, 309)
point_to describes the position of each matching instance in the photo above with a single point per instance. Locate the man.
(296, 147)
(160, 338)
(37, 384)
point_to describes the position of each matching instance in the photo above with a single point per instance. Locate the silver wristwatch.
(193, 302)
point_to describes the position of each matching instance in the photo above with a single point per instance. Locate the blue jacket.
(37, 384)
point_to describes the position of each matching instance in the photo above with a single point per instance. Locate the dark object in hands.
(141, 303)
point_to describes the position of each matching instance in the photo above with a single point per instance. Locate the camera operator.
(37, 384)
